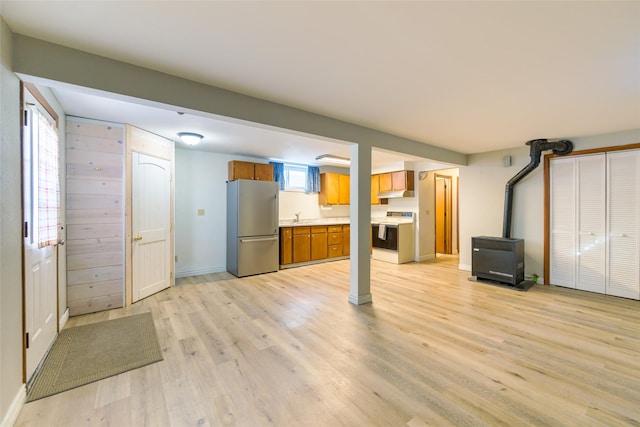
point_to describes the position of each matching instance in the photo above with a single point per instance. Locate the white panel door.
(623, 212)
(40, 265)
(151, 225)
(562, 245)
(591, 204)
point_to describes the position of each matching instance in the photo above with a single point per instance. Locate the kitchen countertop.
(307, 222)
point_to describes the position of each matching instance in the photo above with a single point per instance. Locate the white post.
(360, 212)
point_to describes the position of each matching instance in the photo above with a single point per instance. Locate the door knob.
(137, 238)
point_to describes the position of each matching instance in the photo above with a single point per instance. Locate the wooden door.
(344, 191)
(40, 264)
(263, 172)
(443, 214)
(151, 223)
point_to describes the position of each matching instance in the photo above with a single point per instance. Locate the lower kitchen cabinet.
(334, 241)
(301, 244)
(305, 244)
(318, 242)
(346, 240)
(286, 245)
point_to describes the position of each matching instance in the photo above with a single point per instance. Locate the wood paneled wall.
(95, 216)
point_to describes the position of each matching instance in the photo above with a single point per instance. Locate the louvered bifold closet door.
(623, 212)
(591, 260)
(562, 245)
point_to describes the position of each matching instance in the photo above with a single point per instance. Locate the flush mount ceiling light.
(190, 137)
(329, 158)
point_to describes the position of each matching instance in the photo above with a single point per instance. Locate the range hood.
(395, 194)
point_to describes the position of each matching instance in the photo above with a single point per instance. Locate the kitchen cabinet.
(375, 189)
(249, 170)
(346, 240)
(385, 182)
(334, 189)
(334, 241)
(402, 181)
(344, 193)
(286, 245)
(318, 242)
(301, 244)
(305, 244)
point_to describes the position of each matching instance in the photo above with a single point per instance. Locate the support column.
(360, 212)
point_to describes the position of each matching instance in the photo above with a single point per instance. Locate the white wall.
(482, 184)
(11, 386)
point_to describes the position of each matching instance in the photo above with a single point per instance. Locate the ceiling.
(466, 76)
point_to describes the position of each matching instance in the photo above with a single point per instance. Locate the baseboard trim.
(360, 299)
(426, 258)
(15, 407)
(199, 271)
(465, 267)
(63, 319)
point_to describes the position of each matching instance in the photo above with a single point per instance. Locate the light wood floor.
(287, 349)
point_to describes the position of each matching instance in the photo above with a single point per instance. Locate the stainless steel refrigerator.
(252, 227)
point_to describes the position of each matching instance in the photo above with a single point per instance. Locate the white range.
(393, 237)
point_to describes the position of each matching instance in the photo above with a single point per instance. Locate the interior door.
(151, 225)
(40, 264)
(443, 214)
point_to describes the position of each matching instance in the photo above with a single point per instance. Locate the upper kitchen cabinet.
(334, 189)
(385, 182)
(402, 181)
(375, 189)
(249, 170)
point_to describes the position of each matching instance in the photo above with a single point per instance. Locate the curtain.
(313, 180)
(48, 186)
(278, 174)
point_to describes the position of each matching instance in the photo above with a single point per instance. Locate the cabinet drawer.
(318, 229)
(301, 230)
(334, 251)
(335, 238)
(334, 228)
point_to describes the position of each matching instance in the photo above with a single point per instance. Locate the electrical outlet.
(176, 258)
(200, 212)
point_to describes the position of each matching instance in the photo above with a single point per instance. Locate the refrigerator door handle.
(263, 239)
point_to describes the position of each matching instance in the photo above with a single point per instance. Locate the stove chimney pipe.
(559, 147)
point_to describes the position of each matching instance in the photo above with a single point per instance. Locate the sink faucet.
(297, 214)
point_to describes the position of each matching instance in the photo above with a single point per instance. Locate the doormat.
(89, 353)
(523, 286)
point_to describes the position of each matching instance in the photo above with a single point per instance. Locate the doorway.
(41, 233)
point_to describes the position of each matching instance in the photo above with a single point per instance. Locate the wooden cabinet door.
(286, 245)
(301, 244)
(375, 189)
(344, 191)
(263, 172)
(346, 239)
(240, 170)
(318, 242)
(402, 180)
(385, 182)
(329, 189)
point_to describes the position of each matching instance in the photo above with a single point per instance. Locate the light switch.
(200, 212)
